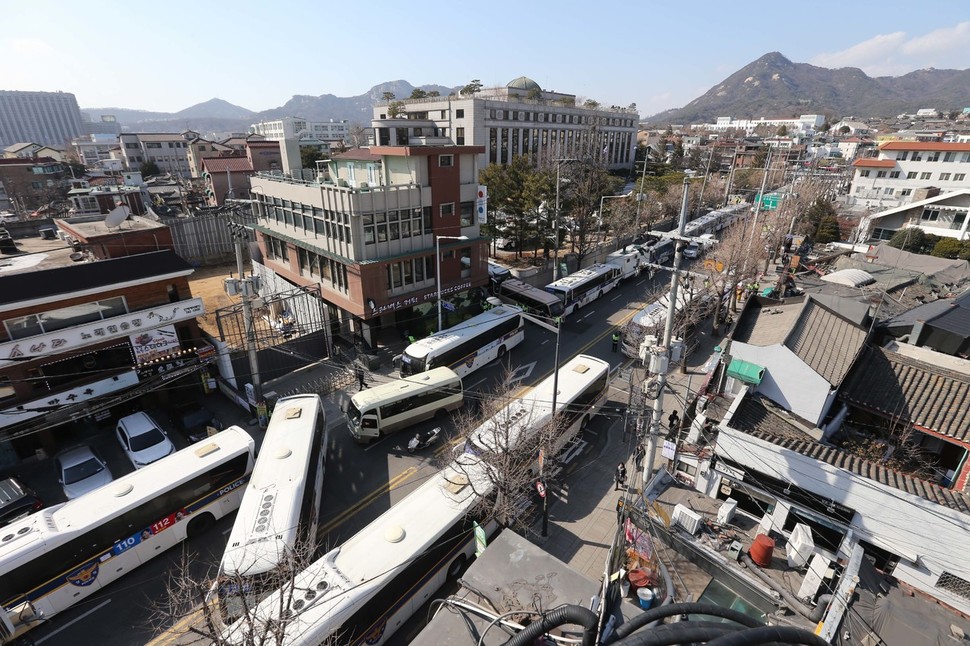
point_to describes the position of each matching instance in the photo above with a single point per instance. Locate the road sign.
(541, 488)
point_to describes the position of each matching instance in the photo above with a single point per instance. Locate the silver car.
(80, 470)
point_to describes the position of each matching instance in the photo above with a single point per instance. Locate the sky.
(166, 56)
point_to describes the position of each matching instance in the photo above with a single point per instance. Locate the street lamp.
(437, 244)
(555, 246)
(600, 224)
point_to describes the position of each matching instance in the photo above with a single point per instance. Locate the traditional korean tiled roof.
(912, 391)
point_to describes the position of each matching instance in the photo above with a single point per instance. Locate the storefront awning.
(749, 373)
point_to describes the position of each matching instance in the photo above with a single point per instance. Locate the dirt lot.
(207, 283)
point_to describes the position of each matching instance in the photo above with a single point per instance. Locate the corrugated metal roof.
(828, 343)
(850, 277)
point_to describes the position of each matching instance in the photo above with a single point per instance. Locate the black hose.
(766, 634)
(683, 609)
(568, 614)
(680, 633)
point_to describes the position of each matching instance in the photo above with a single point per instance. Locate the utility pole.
(660, 358)
(247, 288)
(643, 179)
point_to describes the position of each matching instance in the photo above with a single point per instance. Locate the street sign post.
(541, 488)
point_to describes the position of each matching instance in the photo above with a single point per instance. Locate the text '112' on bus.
(469, 345)
(61, 555)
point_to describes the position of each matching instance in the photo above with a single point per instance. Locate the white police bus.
(584, 286)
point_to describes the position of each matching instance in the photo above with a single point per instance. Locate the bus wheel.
(457, 567)
(200, 525)
(584, 423)
(600, 295)
(501, 351)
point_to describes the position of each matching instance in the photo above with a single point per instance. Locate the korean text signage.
(116, 327)
(153, 344)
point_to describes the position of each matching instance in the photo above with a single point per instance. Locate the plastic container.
(645, 595)
(762, 549)
(639, 578)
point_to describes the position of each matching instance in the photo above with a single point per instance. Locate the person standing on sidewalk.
(620, 476)
(638, 455)
(360, 378)
(673, 421)
(616, 341)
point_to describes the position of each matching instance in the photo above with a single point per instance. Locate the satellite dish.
(115, 217)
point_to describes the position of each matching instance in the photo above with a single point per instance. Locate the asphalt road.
(361, 483)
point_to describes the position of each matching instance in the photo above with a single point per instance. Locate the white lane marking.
(614, 298)
(373, 444)
(73, 621)
(475, 385)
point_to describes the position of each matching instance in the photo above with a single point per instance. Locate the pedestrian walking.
(616, 341)
(673, 421)
(360, 378)
(620, 476)
(638, 455)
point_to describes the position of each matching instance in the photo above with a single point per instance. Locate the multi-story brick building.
(365, 232)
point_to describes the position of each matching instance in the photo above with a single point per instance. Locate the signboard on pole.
(481, 204)
(541, 488)
(480, 540)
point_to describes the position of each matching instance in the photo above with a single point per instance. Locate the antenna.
(116, 216)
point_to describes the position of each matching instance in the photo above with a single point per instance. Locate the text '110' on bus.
(61, 555)
(469, 345)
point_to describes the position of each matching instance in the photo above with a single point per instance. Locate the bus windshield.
(353, 413)
(411, 365)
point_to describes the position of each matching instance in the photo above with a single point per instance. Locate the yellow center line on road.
(171, 635)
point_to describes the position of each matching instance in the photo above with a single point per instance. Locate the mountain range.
(216, 115)
(775, 87)
(772, 86)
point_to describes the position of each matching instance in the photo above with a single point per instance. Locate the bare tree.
(358, 135)
(503, 438)
(191, 611)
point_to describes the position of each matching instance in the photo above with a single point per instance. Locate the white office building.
(295, 133)
(803, 124)
(523, 119)
(169, 150)
(902, 168)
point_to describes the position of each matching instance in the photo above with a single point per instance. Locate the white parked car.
(142, 440)
(6, 217)
(80, 470)
(692, 251)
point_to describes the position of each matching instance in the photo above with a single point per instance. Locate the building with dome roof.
(519, 118)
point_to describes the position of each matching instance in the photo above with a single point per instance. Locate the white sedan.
(142, 440)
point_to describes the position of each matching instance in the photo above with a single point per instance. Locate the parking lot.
(39, 472)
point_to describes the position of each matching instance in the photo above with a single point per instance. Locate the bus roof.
(404, 387)
(124, 493)
(583, 274)
(516, 286)
(535, 407)
(420, 349)
(258, 540)
(352, 573)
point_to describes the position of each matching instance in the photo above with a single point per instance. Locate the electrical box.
(676, 350)
(232, 286)
(734, 550)
(658, 360)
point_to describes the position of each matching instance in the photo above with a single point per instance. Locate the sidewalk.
(581, 528)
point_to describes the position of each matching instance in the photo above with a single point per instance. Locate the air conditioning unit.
(687, 519)
(726, 511)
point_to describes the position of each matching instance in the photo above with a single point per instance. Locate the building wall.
(929, 538)
(878, 188)
(50, 118)
(788, 381)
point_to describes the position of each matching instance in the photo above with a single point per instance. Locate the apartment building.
(94, 149)
(889, 179)
(169, 151)
(366, 232)
(803, 124)
(199, 149)
(295, 133)
(523, 119)
(48, 118)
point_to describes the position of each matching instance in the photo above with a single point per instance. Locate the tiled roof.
(844, 460)
(231, 164)
(358, 154)
(903, 388)
(932, 146)
(24, 161)
(868, 162)
(756, 413)
(828, 343)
